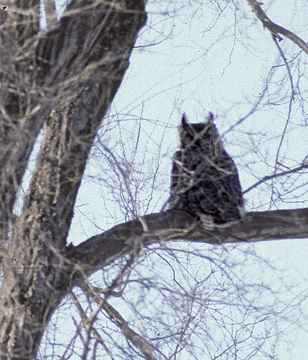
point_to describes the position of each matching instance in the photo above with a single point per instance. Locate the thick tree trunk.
(32, 289)
(72, 74)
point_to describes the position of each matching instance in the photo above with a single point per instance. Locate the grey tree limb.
(274, 28)
(129, 238)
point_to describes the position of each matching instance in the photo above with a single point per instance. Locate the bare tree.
(60, 83)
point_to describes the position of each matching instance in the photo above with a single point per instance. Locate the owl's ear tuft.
(184, 119)
(210, 118)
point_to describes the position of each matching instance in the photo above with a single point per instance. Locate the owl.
(204, 179)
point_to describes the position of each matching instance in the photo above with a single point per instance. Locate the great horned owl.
(204, 179)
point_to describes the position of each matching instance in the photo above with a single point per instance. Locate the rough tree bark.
(62, 81)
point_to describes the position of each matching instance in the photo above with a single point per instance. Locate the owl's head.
(197, 134)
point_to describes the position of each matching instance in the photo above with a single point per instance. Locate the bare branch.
(89, 322)
(142, 344)
(102, 249)
(276, 175)
(274, 28)
(137, 340)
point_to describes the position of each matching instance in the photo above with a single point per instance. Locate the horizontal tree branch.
(130, 237)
